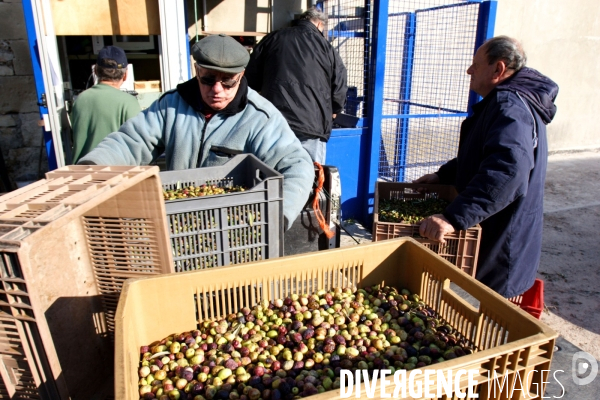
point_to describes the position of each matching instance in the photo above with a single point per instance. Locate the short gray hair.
(112, 74)
(314, 15)
(507, 49)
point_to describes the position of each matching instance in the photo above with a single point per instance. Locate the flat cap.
(221, 53)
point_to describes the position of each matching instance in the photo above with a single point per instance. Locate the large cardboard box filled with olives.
(67, 244)
(397, 205)
(223, 215)
(504, 341)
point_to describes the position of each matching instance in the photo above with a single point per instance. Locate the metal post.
(367, 59)
(38, 78)
(405, 89)
(485, 30)
(174, 48)
(4, 179)
(377, 62)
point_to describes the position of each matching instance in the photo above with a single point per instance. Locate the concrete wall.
(562, 40)
(20, 135)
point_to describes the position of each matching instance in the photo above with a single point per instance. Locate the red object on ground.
(532, 300)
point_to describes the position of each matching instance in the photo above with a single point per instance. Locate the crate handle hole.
(462, 295)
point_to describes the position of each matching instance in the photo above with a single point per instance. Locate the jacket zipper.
(201, 145)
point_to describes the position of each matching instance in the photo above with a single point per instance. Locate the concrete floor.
(570, 264)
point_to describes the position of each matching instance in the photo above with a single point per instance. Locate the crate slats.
(67, 245)
(234, 228)
(505, 338)
(461, 247)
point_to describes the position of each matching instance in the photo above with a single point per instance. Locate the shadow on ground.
(570, 264)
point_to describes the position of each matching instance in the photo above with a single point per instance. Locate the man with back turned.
(299, 71)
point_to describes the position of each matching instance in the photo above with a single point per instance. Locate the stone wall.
(21, 139)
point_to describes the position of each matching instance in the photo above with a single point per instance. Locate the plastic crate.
(532, 300)
(507, 340)
(67, 244)
(461, 247)
(230, 228)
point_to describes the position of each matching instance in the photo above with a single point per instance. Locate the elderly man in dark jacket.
(500, 168)
(298, 71)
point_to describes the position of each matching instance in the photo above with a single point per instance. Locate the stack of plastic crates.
(67, 244)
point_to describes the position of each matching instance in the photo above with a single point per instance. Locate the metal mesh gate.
(430, 45)
(348, 31)
(406, 62)
(425, 88)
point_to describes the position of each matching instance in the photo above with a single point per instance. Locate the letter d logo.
(583, 364)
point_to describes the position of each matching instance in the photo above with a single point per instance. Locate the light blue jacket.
(172, 126)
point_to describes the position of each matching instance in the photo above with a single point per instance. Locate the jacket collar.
(477, 107)
(537, 89)
(306, 23)
(190, 92)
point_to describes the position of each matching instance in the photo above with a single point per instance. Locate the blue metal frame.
(366, 57)
(485, 30)
(410, 116)
(187, 40)
(377, 62)
(356, 151)
(346, 34)
(38, 78)
(406, 80)
(346, 150)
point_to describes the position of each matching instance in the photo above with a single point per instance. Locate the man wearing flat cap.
(209, 119)
(103, 108)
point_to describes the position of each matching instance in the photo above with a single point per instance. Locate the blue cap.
(112, 53)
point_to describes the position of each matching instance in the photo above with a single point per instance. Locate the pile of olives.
(410, 211)
(199, 191)
(297, 346)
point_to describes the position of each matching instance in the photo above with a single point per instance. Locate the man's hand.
(435, 227)
(428, 179)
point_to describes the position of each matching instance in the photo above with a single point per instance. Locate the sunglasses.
(227, 83)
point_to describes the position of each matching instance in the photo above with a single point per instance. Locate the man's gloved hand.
(435, 227)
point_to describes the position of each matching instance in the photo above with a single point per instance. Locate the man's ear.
(499, 71)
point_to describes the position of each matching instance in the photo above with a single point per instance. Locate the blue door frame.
(38, 79)
(356, 151)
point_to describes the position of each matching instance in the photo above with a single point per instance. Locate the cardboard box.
(147, 86)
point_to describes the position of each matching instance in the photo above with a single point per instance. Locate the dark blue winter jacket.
(499, 173)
